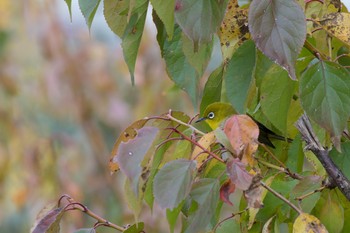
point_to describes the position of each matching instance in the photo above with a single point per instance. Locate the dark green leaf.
(173, 182)
(165, 11)
(295, 158)
(133, 34)
(324, 93)
(179, 68)
(136, 228)
(278, 28)
(276, 94)
(88, 8)
(116, 15)
(262, 65)
(69, 4)
(342, 160)
(199, 19)
(212, 89)
(205, 193)
(238, 76)
(49, 221)
(132, 153)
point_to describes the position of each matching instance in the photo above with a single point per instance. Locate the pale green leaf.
(116, 15)
(88, 8)
(165, 11)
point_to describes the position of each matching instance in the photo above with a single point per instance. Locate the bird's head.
(216, 113)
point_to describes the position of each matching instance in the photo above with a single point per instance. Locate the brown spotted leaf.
(226, 189)
(254, 193)
(238, 174)
(128, 134)
(234, 29)
(306, 223)
(338, 25)
(243, 133)
(132, 153)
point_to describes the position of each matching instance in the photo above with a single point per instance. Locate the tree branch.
(313, 144)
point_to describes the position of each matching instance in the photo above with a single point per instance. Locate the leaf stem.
(183, 123)
(229, 217)
(281, 197)
(314, 51)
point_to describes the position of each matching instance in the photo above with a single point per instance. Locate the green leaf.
(172, 215)
(199, 19)
(212, 88)
(132, 153)
(327, 206)
(136, 228)
(295, 158)
(324, 94)
(230, 225)
(198, 59)
(179, 68)
(134, 203)
(173, 182)
(69, 4)
(276, 94)
(88, 8)
(278, 28)
(342, 160)
(262, 65)
(238, 76)
(165, 11)
(49, 221)
(205, 193)
(85, 230)
(133, 34)
(116, 15)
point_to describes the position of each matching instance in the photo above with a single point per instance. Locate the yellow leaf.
(234, 29)
(306, 223)
(338, 25)
(206, 141)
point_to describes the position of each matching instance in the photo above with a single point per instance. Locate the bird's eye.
(211, 115)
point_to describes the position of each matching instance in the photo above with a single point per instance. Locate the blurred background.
(65, 95)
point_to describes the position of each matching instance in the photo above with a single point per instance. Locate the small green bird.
(216, 113)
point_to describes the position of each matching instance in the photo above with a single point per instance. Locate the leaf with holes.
(234, 29)
(324, 94)
(132, 153)
(200, 19)
(173, 182)
(278, 28)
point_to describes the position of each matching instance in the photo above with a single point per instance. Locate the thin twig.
(183, 123)
(229, 217)
(281, 197)
(300, 198)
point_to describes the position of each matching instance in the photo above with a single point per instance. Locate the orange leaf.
(243, 133)
(226, 189)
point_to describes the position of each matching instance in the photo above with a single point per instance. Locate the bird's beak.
(201, 119)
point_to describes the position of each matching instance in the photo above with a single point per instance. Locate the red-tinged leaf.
(132, 153)
(173, 182)
(199, 19)
(226, 189)
(254, 194)
(278, 28)
(243, 134)
(238, 174)
(50, 222)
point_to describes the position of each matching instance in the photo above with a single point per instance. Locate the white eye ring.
(211, 115)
